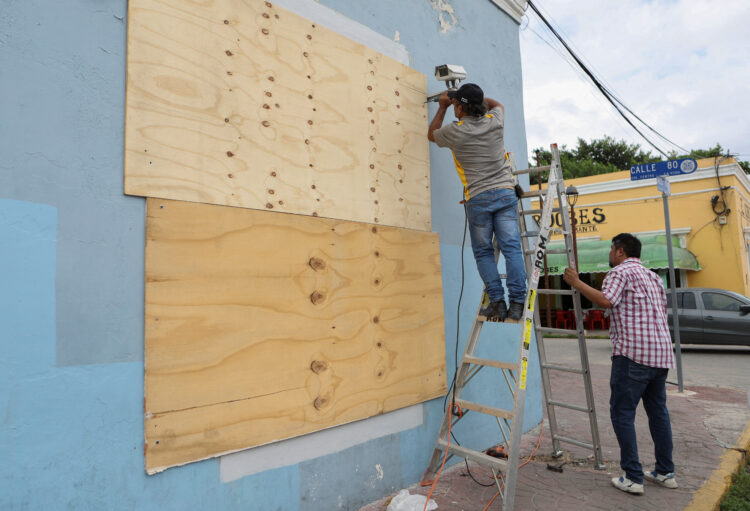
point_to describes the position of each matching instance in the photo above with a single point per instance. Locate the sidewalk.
(708, 423)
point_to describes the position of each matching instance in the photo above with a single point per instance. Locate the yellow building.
(710, 221)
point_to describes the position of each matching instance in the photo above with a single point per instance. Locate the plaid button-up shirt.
(638, 321)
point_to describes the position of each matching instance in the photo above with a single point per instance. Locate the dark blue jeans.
(630, 382)
(494, 212)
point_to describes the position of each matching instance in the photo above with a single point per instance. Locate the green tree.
(607, 150)
(713, 152)
(606, 155)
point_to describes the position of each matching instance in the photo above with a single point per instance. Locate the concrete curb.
(708, 496)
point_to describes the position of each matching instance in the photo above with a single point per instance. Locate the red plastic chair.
(587, 320)
(571, 315)
(564, 318)
(596, 319)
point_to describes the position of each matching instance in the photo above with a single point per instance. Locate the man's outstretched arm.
(596, 296)
(491, 103)
(443, 103)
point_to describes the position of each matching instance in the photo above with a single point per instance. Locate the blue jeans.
(494, 211)
(630, 382)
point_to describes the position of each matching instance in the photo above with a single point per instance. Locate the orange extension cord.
(437, 477)
(434, 483)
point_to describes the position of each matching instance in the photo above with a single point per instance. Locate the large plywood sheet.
(245, 104)
(263, 326)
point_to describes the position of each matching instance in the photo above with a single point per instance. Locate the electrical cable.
(561, 30)
(491, 483)
(577, 70)
(458, 310)
(608, 94)
(458, 324)
(596, 81)
(440, 471)
(536, 448)
(455, 360)
(493, 498)
(467, 466)
(722, 189)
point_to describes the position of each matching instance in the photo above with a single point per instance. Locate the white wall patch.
(446, 16)
(295, 450)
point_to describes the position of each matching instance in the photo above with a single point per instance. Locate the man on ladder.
(477, 143)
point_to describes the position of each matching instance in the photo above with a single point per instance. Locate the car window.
(720, 302)
(684, 300)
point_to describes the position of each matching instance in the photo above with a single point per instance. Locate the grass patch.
(737, 497)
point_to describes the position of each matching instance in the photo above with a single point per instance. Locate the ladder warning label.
(524, 365)
(527, 334)
(532, 299)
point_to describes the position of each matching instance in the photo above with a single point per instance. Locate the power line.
(609, 96)
(576, 69)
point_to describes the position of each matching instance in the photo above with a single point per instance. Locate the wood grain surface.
(262, 326)
(242, 103)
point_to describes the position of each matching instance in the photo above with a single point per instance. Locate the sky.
(682, 65)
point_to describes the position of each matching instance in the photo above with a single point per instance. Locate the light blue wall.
(71, 261)
(62, 99)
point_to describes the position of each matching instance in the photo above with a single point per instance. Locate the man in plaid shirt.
(641, 357)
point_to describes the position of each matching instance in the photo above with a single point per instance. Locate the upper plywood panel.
(263, 326)
(245, 104)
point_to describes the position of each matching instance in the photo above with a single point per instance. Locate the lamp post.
(571, 193)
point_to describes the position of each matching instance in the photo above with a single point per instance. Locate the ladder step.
(570, 407)
(537, 211)
(499, 464)
(549, 251)
(491, 363)
(563, 331)
(490, 410)
(554, 367)
(530, 234)
(532, 170)
(534, 193)
(555, 291)
(574, 442)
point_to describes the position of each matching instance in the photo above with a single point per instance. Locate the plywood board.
(263, 326)
(247, 104)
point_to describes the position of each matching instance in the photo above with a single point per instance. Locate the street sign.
(662, 168)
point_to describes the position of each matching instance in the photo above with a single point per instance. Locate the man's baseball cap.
(468, 93)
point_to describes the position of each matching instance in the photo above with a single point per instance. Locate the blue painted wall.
(71, 261)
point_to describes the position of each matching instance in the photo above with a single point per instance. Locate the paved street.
(722, 366)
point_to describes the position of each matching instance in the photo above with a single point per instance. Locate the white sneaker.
(626, 485)
(666, 480)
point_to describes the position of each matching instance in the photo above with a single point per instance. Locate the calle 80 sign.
(661, 168)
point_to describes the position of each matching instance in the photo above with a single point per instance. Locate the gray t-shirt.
(478, 151)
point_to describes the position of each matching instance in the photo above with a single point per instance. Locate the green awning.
(593, 255)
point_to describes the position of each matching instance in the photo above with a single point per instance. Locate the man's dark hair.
(629, 243)
(474, 109)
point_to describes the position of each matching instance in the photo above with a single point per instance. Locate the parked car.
(711, 316)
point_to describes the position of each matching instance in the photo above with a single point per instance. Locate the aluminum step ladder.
(556, 190)
(509, 421)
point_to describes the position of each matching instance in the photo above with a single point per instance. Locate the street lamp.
(571, 194)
